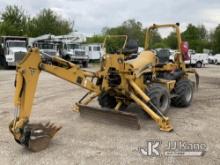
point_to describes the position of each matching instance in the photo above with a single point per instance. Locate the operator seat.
(130, 48)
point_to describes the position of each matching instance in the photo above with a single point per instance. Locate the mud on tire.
(184, 92)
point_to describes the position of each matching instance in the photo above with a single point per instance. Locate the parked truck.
(94, 51)
(47, 46)
(75, 53)
(66, 46)
(198, 60)
(212, 59)
(47, 49)
(12, 50)
(72, 49)
(217, 59)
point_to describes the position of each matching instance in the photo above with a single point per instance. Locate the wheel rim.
(163, 103)
(188, 94)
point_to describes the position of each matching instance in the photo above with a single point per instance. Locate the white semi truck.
(12, 50)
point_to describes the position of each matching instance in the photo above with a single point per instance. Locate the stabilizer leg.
(85, 100)
(161, 120)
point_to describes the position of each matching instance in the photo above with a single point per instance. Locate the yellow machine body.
(123, 79)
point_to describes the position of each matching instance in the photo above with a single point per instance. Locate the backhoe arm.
(36, 136)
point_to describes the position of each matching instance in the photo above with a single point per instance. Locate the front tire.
(184, 92)
(106, 100)
(160, 97)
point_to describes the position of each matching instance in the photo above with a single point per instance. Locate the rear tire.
(160, 97)
(184, 92)
(108, 101)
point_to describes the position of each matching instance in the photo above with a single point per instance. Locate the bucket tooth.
(37, 137)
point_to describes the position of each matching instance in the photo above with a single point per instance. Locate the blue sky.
(90, 16)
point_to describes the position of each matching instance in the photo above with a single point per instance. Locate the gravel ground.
(83, 141)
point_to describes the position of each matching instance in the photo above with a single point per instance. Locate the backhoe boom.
(26, 82)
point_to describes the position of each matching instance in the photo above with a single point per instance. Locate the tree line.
(198, 37)
(15, 21)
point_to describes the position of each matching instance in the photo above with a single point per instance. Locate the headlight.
(10, 58)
